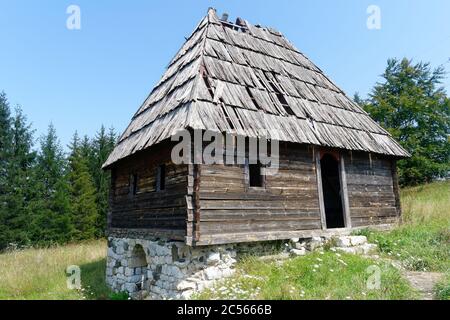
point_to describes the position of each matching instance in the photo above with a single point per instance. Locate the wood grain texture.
(371, 184)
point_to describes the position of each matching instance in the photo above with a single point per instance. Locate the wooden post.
(196, 228)
(344, 193)
(323, 218)
(396, 188)
(112, 190)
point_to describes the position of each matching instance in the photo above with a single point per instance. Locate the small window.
(256, 178)
(161, 178)
(134, 184)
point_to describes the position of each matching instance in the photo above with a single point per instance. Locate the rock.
(213, 273)
(300, 245)
(186, 295)
(130, 287)
(129, 272)
(298, 252)
(314, 243)
(358, 240)
(350, 241)
(343, 242)
(369, 248)
(186, 285)
(228, 273)
(295, 240)
(349, 250)
(213, 258)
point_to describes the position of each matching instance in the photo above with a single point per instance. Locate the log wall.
(372, 189)
(160, 212)
(230, 211)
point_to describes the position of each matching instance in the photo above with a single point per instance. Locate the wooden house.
(337, 167)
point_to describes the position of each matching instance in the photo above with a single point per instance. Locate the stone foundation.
(159, 269)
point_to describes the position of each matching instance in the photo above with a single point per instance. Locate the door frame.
(318, 153)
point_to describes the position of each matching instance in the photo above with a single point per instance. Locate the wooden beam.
(217, 239)
(344, 193)
(396, 188)
(323, 218)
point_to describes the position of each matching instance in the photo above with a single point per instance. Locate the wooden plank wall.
(165, 211)
(233, 212)
(371, 189)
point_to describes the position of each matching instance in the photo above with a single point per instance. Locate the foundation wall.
(160, 269)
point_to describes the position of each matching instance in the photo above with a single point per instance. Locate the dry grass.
(427, 203)
(41, 273)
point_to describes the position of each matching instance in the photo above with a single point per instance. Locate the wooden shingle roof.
(240, 78)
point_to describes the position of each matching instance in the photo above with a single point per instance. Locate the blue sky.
(80, 79)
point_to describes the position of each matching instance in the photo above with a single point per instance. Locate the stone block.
(343, 242)
(213, 258)
(298, 252)
(369, 248)
(358, 240)
(186, 285)
(213, 273)
(129, 272)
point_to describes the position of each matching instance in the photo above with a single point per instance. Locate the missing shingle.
(205, 77)
(280, 96)
(252, 97)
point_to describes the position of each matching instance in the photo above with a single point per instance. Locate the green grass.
(442, 289)
(41, 273)
(326, 275)
(422, 242)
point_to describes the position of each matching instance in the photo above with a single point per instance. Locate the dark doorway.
(332, 192)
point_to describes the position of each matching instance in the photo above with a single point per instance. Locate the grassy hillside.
(421, 243)
(41, 273)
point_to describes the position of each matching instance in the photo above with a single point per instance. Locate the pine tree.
(102, 146)
(5, 157)
(16, 160)
(51, 205)
(82, 192)
(19, 179)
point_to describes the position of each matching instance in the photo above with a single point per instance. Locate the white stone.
(186, 295)
(228, 273)
(343, 242)
(351, 250)
(369, 248)
(314, 243)
(358, 240)
(295, 240)
(298, 252)
(213, 273)
(213, 258)
(300, 245)
(186, 285)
